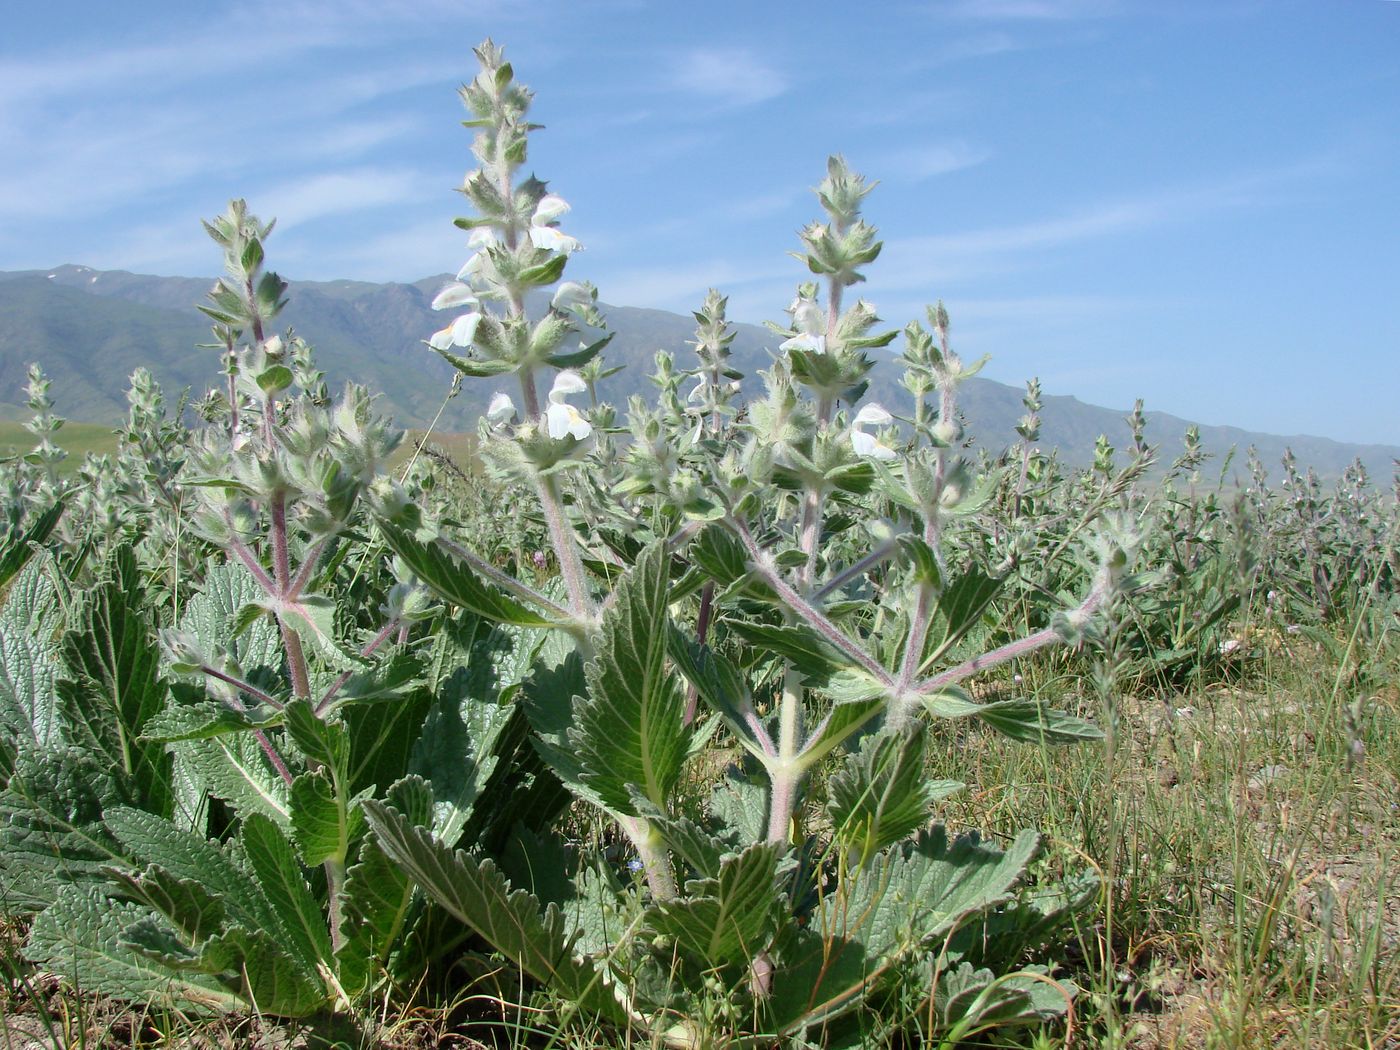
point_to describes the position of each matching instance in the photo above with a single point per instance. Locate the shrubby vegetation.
(658, 727)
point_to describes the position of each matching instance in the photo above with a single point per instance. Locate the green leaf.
(322, 825)
(112, 685)
(81, 936)
(727, 920)
(455, 581)
(880, 794)
(378, 895)
(474, 667)
(188, 904)
(320, 741)
(579, 358)
(212, 617)
(19, 549)
(628, 731)
(817, 660)
(300, 925)
(478, 895)
(234, 767)
(1029, 721)
(959, 609)
(918, 893)
(186, 854)
(719, 683)
(51, 829)
(202, 721)
(274, 379)
(28, 697)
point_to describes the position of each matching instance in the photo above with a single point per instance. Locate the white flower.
(815, 343)
(807, 316)
(550, 239)
(698, 394)
(501, 409)
(867, 444)
(483, 237)
(550, 207)
(455, 294)
(459, 333)
(1229, 646)
(571, 294)
(472, 266)
(562, 418)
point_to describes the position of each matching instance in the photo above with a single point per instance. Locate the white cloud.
(916, 163)
(316, 196)
(731, 75)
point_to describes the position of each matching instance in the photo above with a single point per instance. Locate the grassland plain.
(1248, 831)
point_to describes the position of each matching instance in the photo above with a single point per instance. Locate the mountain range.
(91, 328)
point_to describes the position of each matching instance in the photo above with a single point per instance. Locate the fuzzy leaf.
(920, 892)
(1030, 721)
(28, 699)
(81, 937)
(377, 896)
(477, 894)
(880, 794)
(300, 923)
(112, 684)
(455, 581)
(628, 731)
(719, 683)
(726, 920)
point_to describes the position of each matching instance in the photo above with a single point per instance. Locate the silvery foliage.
(836, 599)
(289, 690)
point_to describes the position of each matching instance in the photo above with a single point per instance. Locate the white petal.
(866, 445)
(808, 317)
(464, 329)
(565, 383)
(501, 408)
(455, 294)
(442, 338)
(482, 237)
(815, 343)
(564, 420)
(874, 415)
(550, 207)
(698, 394)
(570, 294)
(550, 239)
(471, 266)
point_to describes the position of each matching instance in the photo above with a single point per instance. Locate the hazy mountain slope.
(91, 328)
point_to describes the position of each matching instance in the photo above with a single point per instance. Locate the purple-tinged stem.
(368, 651)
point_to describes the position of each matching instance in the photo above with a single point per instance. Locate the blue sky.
(1194, 203)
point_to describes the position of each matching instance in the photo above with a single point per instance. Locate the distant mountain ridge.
(91, 328)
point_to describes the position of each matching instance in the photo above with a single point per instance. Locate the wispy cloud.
(736, 76)
(917, 163)
(922, 260)
(1029, 10)
(333, 193)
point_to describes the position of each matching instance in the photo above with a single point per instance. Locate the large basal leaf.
(35, 601)
(972, 1001)
(921, 891)
(187, 904)
(477, 894)
(474, 666)
(51, 829)
(727, 920)
(629, 730)
(456, 582)
(880, 794)
(378, 895)
(188, 855)
(268, 978)
(81, 937)
(28, 699)
(300, 922)
(234, 768)
(323, 824)
(111, 686)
